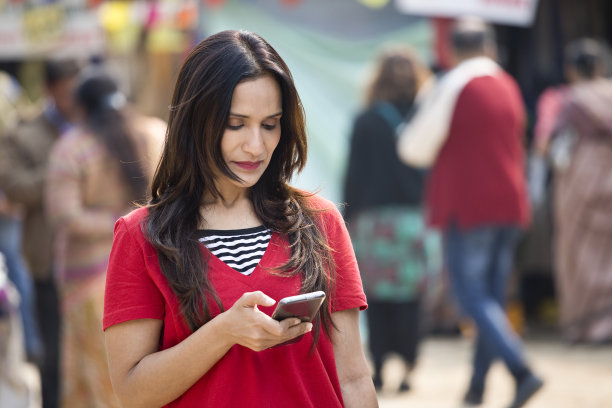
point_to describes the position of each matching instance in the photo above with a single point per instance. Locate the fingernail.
(308, 327)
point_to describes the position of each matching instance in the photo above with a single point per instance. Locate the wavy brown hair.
(398, 76)
(192, 154)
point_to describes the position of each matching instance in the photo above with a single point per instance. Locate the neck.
(229, 211)
(229, 201)
(464, 57)
(229, 195)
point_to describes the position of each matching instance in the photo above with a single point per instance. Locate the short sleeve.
(130, 292)
(348, 289)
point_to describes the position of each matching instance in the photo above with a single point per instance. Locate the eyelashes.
(265, 126)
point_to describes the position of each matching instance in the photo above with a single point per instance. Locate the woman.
(95, 174)
(187, 323)
(582, 157)
(383, 210)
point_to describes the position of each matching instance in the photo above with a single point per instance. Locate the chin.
(250, 179)
(247, 182)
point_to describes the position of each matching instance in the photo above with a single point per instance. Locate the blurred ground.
(575, 376)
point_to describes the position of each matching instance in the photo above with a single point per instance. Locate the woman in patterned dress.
(96, 173)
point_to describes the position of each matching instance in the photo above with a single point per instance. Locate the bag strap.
(391, 115)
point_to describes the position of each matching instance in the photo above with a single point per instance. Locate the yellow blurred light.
(374, 3)
(166, 40)
(115, 15)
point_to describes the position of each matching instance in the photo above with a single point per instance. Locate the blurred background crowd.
(84, 92)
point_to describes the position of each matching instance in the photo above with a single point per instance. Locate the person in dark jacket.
(383, 211)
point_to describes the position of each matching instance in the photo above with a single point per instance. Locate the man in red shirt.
(469, 129)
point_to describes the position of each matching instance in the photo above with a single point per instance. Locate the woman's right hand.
(246, 325)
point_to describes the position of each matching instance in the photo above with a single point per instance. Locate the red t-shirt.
(285, 376)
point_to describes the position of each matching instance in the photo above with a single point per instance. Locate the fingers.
(290, 335)
(277, 333)
(278, 329)
(293, 327)
(299, 329)
(252, 299)
(290, 322)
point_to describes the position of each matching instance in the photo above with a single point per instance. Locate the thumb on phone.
(252, 299)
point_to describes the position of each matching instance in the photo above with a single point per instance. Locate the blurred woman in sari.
(581, 152)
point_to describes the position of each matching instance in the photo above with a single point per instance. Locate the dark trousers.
(393, 327)
(47, 305)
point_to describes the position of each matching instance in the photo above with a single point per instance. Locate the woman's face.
(252, 132)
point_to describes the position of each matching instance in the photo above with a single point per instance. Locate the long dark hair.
(198, 117)
(99, 97)
(398, 76)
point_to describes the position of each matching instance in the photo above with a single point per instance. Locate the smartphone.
(304, 306)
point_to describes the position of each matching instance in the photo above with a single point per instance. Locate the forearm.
(162, 377)
(145, 377)
(359, 393)
(353, 372)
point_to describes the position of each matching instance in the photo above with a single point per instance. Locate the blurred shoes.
(36, 356)
(473, 398)
(525, 389)
(404, 386)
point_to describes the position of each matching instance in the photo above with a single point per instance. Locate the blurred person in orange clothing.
(581, 154)
(96, 173)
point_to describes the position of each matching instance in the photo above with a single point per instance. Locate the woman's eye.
(234, 127)
(269, 126)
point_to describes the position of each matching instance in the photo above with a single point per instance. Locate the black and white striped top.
(239, 249)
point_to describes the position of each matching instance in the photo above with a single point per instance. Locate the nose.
(254, 142)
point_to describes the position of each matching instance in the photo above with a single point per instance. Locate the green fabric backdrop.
(331, 74)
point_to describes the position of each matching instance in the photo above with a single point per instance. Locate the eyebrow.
(238, 115)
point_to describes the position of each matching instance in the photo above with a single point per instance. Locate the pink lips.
(247, 165)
